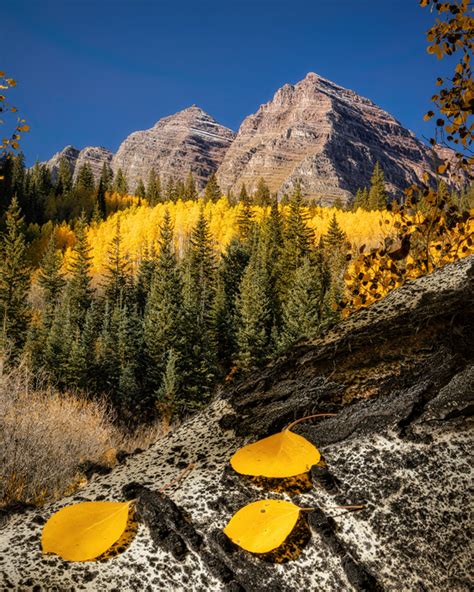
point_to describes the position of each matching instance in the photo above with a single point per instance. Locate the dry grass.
(45, 436)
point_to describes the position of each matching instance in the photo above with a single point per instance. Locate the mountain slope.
(96, 156)
(190, 140)
(327, 137)
(400, 376)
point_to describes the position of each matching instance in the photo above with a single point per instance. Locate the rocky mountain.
(190, 140)
(400, 377)
(94, 155)
(327, 137)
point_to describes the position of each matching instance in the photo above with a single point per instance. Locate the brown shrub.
(44, 436)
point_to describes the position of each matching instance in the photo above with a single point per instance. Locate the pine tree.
(199, 295)
(167, 395)
(146, 270)
(254, 313)
(18, 178)
(14, 280)
(301, 315)
(51, 280)
(140, 189)
(163, 320)
(153, 189)
(377, 199)
(79, 291)
(170, 191)
(58, 343)
(335, 238)
(101, 202)
(212, 192)
(190, 191)
(107, 177)
(130, 354)
(299, 237)
(262, 195)
(64, 178)
(245, 215)
(120, 184)
(117, 274)
(85, 179)
(232, 267)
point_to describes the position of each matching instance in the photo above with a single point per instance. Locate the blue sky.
(90, 73)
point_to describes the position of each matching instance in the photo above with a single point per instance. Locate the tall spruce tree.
(301, 315)
(163, 320)
(377, 199)
(51, 280)
(245, 214)
(190, 191)
(299, 237)
(199, 295)
(78, 288)
(100, 200)
(153, 188)
(262, 195)
(212, 192)
(117, 274)
(85, 179)
(254, 311)
(14, 281)
(64, 178)
(140, 191)
(120, 184)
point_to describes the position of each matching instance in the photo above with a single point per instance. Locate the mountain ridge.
(315, 132)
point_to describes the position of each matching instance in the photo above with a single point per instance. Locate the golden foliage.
(426, 239)
(84, 531)
(285, 454)
(140, 226)
(262, 526)
(8, 146)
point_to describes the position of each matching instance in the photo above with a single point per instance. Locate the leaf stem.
(297, 421)
(178, 478)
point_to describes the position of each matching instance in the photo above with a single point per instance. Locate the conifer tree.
(254, 315)
(79, 291)
(85, 179)
(262, 195)
(335, 238)
(233, 263)
(299, 237)
(170, 191)
(167, 396)
(146, 270)
(199, 294)
(117, 273)
(130, 355)
(163, 320)
(212, 192)
(18, 178)
(153, 189)
(190, 191)
(140, 189)
(101, 202)
(245, 215)
(58, 343)
(106, 176)
(120, 184)
(14, 280)
(64, 179)
(51, 280)
(301, 314)
(377, 199)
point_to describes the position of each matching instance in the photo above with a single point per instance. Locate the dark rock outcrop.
(400, 377)
(327, 137)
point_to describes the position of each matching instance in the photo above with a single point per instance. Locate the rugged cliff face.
(190, 140)
(327, 137)
(400, 377)
(96, 156)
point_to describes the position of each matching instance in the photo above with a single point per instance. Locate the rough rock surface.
(190, 140)
(327, 137)
(94, 155)
(400, 377)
